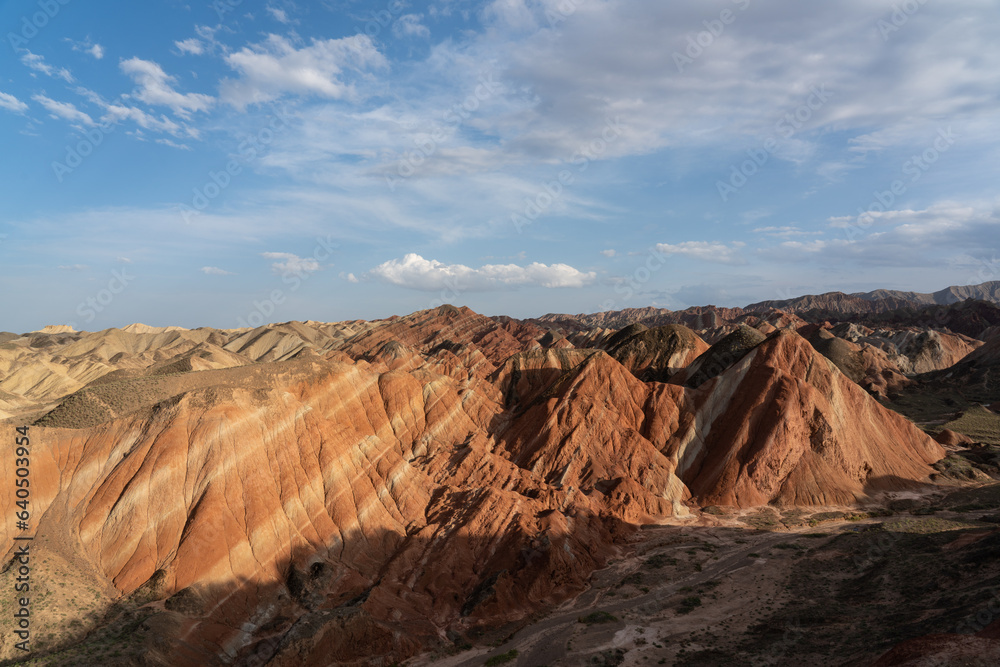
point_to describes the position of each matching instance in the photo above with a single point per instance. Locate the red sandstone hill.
(352, 493)
(784, 425)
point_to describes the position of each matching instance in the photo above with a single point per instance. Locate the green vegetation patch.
(660, 560)
(689, 604)
(598, 617)
(509, 656)
(979, 424)
(923, 526)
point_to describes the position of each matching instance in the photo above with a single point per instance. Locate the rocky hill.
(361, 493)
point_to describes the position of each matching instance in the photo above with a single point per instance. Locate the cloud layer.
(415, 272)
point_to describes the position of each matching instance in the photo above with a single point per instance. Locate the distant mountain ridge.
(884, 299)
(829, 304)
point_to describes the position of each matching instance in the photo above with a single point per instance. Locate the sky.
(236, 162)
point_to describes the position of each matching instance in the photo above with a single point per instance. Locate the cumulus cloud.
(118, 112)
(705, 251)
(11, 103)
(349, 277)
(415, 272)
(88, 47)
(275, 67)
(155, 87)
(191, 46)
(216, 271)
(410, 25)
(280, 15)
(64, 110)
(38, 64)
(289, 264)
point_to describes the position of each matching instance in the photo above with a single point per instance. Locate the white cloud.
(275, 67)
(510, 14)
(921, 239)
(349, 277)
(764, 67)
(88, 47)
(38, 64)
(280, 15)
(810, 246)
(173, 144)
(705, 251)
(410, 25)
(193, 46)
(415, 272)
(11, 103)
(940, 214)
(124, 260)
(155, 88)
(74, 267)
(609, 253)
(117, 113)
(290, 264)
(64, 110)
(215, 271)
(787, 231)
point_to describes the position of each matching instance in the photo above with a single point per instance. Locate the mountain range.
(434, 488)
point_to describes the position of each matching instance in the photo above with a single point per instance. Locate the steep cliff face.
(785, 425)
(354, 493)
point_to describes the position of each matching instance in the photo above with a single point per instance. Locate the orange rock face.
(784, 425)
(353, 493)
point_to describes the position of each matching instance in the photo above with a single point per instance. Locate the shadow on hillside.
(384, 596)
(378, 598)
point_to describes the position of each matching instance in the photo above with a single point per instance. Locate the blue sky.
(243, 161)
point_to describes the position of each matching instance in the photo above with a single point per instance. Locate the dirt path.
(544, 642)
